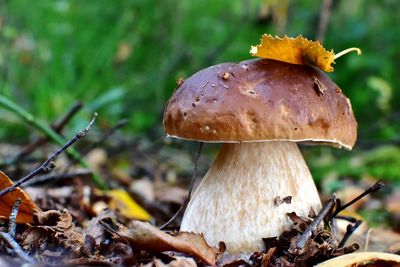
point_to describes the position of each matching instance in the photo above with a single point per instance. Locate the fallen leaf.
(122, 201)
(144, 188)
(55, 227)
(27, 207)
(144, 236)
(171, 194)
(297, 50)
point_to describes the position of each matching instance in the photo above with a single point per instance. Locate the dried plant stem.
(375, 188)
(16, 248)
(348, 50)
(349, 231)
(301, 242)
(186, 201)
(58, 176)
(121, 123)
(49, 163)
(324, 19)
(12, 225)
(57, 126)
(50, 133)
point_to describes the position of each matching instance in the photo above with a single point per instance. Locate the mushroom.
(259, 109)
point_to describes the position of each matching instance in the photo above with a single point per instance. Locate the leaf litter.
(110, 238)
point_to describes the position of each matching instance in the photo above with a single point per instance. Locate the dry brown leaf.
(56, 226)
(27, 208)
(297, 50)
(147, 237)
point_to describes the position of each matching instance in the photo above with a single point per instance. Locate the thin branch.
(375, 188)
(60, 123)
(302, 240)
(50, 133)
(324, 19)
(187, 199)
(57, 176)
(346, 218)
(48, 165)
(12, 225)
(57, 126)
(106, 135)
(16, 248)
(349, 231)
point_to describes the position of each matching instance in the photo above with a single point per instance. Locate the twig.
(187, 199)
(56, 126)
(346, 218)
(324, 19)
(16, 248)
(50, 133)
(375, 188)
(349, 231)
(60, 123)
(302, 240)
(12, 225)
(57, 176)
(106, 135)
(48, 165)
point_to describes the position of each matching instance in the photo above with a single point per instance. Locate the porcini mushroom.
(259, 109)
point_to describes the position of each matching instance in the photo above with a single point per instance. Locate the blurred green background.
(122, 59)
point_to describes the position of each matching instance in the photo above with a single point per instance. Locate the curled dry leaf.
(55, 226)
(149, 238)
(297, 50)
(27, 208)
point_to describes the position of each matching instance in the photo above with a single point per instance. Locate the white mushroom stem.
(237, 202)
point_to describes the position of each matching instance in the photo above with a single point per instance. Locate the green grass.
(53, 53)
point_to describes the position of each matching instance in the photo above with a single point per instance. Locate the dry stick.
(375, 188)
(66, 175)
(349, 231)
(50, 133)
(187, 199)
(56, 126)
(301, 242)
(346, 218)
(106, 135)
(16, 248)
(57, 176)
(324, 19)
(12, 225)
(48, 165)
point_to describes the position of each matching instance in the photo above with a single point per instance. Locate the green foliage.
(122, 58)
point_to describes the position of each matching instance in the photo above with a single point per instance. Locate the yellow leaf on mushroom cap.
(297, 50)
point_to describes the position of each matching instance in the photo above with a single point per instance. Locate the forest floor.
(74, 223)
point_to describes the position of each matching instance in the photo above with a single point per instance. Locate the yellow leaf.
(128, 207)
(297, 50)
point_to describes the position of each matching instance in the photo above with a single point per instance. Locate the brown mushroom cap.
(261, 100)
